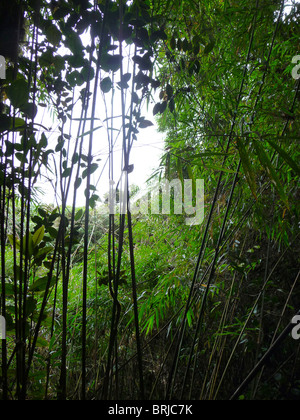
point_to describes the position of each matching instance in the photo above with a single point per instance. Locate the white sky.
(145, 154)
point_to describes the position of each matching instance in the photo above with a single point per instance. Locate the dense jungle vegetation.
(135, 305)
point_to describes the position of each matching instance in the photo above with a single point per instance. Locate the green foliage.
(120, 306)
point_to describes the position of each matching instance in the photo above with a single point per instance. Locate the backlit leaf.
(38, 236)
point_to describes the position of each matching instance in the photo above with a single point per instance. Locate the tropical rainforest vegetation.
(146, 306)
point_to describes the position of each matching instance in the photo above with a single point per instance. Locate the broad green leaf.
(76, 60)
(135, 98)
(40, 285)
(9, 289)
(22, 157)
(28, 241)
(11, 240)
(124, 82)
(18, 93)
(44, 141)
(53, 34)
(111, 62)
(18, 243)
(38, 236)
(52, 231)
(66, 173)
(157, 108)
(144, 63)
(88, 73)
(93, 168)
(30, 305)
(73, 42)
(93, 201)
(75, 78)
(44, 251)
(78, 182)
(78, 215)
(30, 110)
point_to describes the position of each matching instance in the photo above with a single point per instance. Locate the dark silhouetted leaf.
(135, 98)
(111, 62)
(30, 110)
(169, 91)
(145, 124)
(209, 47)
(144, 62)
(53, 34)
(75, 78)
(106, 85)
(172, 105)
(157, 108)
(18, 93)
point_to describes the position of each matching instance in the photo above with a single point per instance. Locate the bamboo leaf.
(41, 342)
(89, 132)
(221, 169)
(209, 154)
(266, 163)
(247, 166)
(285, 156)
(179, 169)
